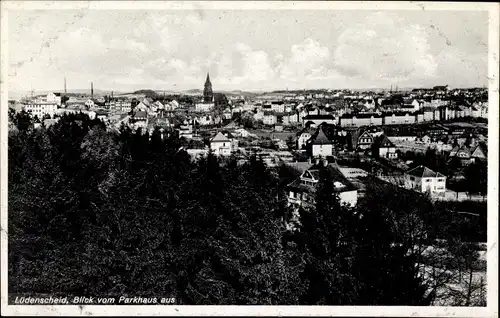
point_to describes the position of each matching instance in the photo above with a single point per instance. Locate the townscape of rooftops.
(385, 131)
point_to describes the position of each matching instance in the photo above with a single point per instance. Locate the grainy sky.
(248, 50)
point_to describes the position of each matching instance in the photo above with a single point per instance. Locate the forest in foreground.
(97, 212)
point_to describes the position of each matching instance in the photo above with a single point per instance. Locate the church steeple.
(208, 95)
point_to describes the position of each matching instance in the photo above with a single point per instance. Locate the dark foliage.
(96, 212)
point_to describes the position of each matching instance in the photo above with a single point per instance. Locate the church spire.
(208, 95)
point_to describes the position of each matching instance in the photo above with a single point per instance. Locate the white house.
(89, 103)
(302, 190)
(54, 98)
(277, 107)
(423, 179)
(221, 145)
(204, 107)
(303, 137)
(270, 118)
(40, 109)
(321, 145)
(386, 149)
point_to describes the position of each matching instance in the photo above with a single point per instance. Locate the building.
(399, 118)
(278, 106)
(423, 179)
(302, 191)
(303, 136)
(360, 119)
(221, 145)
(207, 103)
(480, 153)
(54, 98)
(270, 118)
(316, 120)
(186, 130)
(40, 109)
(365, 140)
(321, 145)
(208, 95)
(386, 149)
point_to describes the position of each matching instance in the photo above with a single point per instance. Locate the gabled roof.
(365, 134)
(336, 176)
(321, 138)
(219, 138)
(385, 142)
(424, 172)
(480, 151)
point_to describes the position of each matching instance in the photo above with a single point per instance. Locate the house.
(227, 114)
(462, 154)
(277, 106)
(141, 107)
(480, 153)
(54, 98)
(269, 118)
(423, 179)
(303, 136)
(186, 130)
(385, 148)
(221, 145)
(40, 109)
(204, 107)
(365, 140)
(428, 113)
(90, 103)
(321, 145)
(140, 115)
(302, 190)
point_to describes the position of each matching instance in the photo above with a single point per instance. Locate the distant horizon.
(105, 91)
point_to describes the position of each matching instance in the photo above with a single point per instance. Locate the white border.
(492, 257)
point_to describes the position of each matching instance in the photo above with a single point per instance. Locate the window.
(441, 180)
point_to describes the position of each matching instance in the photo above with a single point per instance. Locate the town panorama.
(220, 196)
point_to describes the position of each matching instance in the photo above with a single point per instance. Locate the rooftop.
(219, 137)
(424, 172)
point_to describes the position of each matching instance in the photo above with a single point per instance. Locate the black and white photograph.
(275, 158)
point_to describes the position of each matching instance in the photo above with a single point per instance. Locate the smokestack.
(111, 94)
(65, 91)
(91, 89)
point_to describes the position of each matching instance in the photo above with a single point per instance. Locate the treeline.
(92, 212)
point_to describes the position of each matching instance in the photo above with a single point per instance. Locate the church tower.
(208, 95)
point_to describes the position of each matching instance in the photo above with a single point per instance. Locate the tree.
(327, 238)
(476, 175)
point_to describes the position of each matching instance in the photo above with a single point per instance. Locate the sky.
(258, 50)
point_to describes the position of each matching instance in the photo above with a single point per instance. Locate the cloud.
(384, 48)
(306, 59)
(176, 49)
